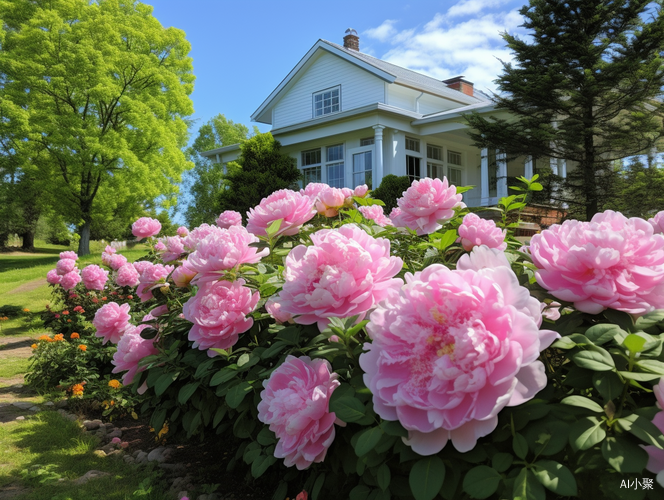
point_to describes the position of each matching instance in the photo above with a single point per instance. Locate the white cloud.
(384, 32)
(443, 49)
(469, 7)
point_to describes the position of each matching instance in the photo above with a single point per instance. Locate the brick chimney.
(351, 40)
(458, 83)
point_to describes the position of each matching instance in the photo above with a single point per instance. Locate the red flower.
(95, 300)
(302, 495)
(66, 313)
(57, 316)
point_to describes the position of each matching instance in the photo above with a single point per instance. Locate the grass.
(10, 367)
(45, 453)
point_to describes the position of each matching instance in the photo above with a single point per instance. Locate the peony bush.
(425, 355)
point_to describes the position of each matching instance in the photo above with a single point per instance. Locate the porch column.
(501, 185)
(553, 163)
(563, 169)
(528, 167)
(484, 177)
(378, 147)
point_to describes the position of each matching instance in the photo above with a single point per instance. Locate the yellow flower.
(115, 384)
(83, 347)
(74, 335)
(34, 346)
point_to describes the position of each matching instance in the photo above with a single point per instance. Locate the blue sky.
(242, 50)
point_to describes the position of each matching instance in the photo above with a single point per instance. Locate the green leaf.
(274, 349)
(266, 437)
(555, 477)
(426, 478)
(481, 481)
(359, 492)
(651, 365)
(623, 455)
(236, 394)
(650, 319)
(640, 376)
(586, 433)
(602, 333)
(318, 485)
(347, 409)
(594, 358)
(243, 360)
(261, 464)
(643, 429)
(520, 446)
(383, 477)
(281, 491)
(251, 452)
(622, 319)
(608, 384)
(221, 352)
(187, 391)
(368, 440)
(273, 228)
(164, 382)
(634, 343)
(527, 487)
(502, 461)
(582, 402)
(393, 428)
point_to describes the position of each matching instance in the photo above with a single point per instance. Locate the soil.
(15, 347)
(30, 286)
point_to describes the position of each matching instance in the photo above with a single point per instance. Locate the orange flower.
(58, 337)
(112, 402)
(115, 384)
(74, 335)
(77, 390)
(26, 310)
(83, 347)
(45, 337)
(66, 313)
(104, 298)
(34, 346)
(68, 321)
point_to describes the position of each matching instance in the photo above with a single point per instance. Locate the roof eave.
(217, 151)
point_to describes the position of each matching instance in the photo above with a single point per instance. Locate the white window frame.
(350, 178)
(322, 93)
(329, 163)
(304, 167)
(437, 163)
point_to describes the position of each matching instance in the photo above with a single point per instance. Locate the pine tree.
(586, 87)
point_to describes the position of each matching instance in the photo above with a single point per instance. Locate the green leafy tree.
(638, 190)
(104, 89)
(261, 170)
(206, 180)
(585, 87)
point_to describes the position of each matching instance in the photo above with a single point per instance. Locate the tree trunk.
(28, 240)
(84, 242)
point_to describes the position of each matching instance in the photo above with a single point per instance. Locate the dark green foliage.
(391, 188)
(585, 88)
(206, 180)
(638, 190)
(261, 170)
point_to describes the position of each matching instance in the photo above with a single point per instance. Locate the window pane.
(362, 169)
(453, 157)
(435, 171)
(310, 175)
(413, 167)
(335, 153)
(367, 142)
(434, 152)
(412, 144)
(311, 157)
(335, 175)
(454, 176)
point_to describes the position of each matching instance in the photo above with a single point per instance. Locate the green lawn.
(45, 453)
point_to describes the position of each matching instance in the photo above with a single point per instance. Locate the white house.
(349, 119)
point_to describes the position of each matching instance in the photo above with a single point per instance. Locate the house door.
(361, 166)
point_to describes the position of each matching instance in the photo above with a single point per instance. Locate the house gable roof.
(391, 73)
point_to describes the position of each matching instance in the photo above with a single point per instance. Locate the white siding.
(358, 88)
(407, 98)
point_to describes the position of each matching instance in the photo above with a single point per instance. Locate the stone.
(108, 448)
(91, 474)
(49, 403)
(135, 454)
(99, 453)
(159, 454)
(23, 405)
(182, 494)
(20, 418)
(142, 457)
(129, 459)
(173, 467)
(34, 408)
(117, 433)
(63, 403)
(71, 416)
(91, 425)
(115, 453)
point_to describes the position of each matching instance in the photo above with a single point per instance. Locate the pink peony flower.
(293, 208)
(53, 277)
(106, 258)
(159, 310)
(219, 313)
(426, 204)
(229, 218)
(313, 189)
(131, 349)
(296, 405)
(551, 311)
(361, 191)
(224, 249)
(345, 273)
(174, 248)
(145, 227)
(452, 350)
(70, 280)
(127, 276)
(273, 308)
(329, 201)
(610, 262)
(183, 275)
(109, 249)
(151, 278)
(111, 321)
(142, 265)
(65, 266)
(116, 440)
(348, 193)
(182, 231)
(116, 261)
(475, 231)
(197, 234)
(94, 277)
(160, 247)
(657, 223)
(656, 455)
(376, 214)
(69, 255)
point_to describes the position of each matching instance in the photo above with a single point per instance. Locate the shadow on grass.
(18, 344)
(24, 262)
(58, 449)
